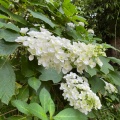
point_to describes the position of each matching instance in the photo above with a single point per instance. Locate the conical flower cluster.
(60, 53)
(77, 91)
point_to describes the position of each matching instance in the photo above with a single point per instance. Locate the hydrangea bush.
(52, 66)
(60, 53)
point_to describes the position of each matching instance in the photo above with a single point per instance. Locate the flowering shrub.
(110, 88)
(59, 72)
(60, 53)
(77, 91)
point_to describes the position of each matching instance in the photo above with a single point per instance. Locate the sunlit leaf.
(42, 17)
(70, 114)
(36, 110)
(34, 83)
(44, 97)
(21, 106)
(46, 101)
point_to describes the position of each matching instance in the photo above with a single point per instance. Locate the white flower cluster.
(60, 53)
(90, 31)
(72, 25)
(77, 91)
(110, 88)
(17, 1)
(81, 24)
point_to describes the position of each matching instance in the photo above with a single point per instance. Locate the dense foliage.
(52, 66)
(103, 16)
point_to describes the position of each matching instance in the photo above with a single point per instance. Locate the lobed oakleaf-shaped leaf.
(7, 81)
(50, 74)
(34, 83)
(115, 77)
(7, 48)
(21, 106)
(106, 67)
(91, 71)
(115, 60)
(70, 114)
(36, 110)
(42, 17)
(97, 85)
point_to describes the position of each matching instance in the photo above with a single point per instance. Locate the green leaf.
(91, 115)
(3, 17)
(70, 114)
(8, 35)
(5, 3)
(97, 85)
(73, 33)
(36, 110)
(7, 81)
(109, 46)
(12, 27)
(42, 17)
(44, 97)
(50, 74)
(13, 16)
(23, 93)
(97, 39)
(46, 101)
(21, 106)
(2, 24)
(61, 10)
(106, 66)
(69, 9)
(9, 26)
(25, 68)
(51, 107)
(17, 118)
(7, 48)
(115, 77)
(80, 18)
(114, 60)
(91, 71)
(34, 83)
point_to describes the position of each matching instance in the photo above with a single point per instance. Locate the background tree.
(104, 17)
